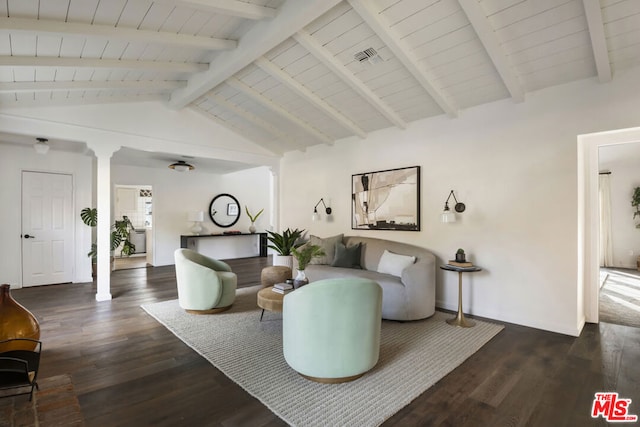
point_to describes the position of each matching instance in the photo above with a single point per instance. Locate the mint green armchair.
(331, 329)
(205, 285)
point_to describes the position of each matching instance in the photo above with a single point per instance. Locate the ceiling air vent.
(368, 55)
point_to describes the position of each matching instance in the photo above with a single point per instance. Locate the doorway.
(136, 203)
(47, 228)
(619, 236)
(588, 216)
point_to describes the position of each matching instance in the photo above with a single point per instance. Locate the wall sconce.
(447, 215)
(181, 166)
(316, 215)
(41, 146)
(197, 217)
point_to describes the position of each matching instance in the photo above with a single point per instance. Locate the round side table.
(460, 320)
(274, 274)
(269, 300)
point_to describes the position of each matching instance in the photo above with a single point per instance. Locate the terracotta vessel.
(16, 322)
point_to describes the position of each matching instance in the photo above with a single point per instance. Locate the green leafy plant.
(305, 254)
(460, 251)
(120, 233)
(253, 218)
(285, 242)
(635, 202)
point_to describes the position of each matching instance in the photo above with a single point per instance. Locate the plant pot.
(300, 280)
(286, 260)
(252, 228)
(16, 322)
(460, 258)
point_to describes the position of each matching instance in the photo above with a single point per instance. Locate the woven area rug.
(413, 357)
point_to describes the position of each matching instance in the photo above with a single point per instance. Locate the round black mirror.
(224, 210)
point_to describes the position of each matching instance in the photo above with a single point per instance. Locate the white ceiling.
(282, 73)
(131, 157)
(54, 144)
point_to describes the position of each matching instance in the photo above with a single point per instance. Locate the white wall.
(625, 236)
(14, 160)
(175, 194)
(252, 189)
(513, 165)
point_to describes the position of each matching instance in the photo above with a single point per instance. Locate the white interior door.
(47, 228)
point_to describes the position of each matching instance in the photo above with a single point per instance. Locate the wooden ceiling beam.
(383, 30)
(40, 26)
(261, 38)
(593, 12)
(266, 102)
(91, 100)
(490, 41)
(90, 85)
(156, 66)
(327, 59)
(302, 91)
(226, 7)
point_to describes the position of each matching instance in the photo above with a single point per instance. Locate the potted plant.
(635, 202)
(460, 256)
(283, 244)
(120, 233)
(304, 256)
(253, 218)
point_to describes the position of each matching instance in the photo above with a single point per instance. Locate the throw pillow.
(348, 257)
(328, 245)
(393, 264)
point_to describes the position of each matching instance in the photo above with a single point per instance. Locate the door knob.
(26, 236)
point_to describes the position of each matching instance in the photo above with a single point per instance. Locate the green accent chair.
(331, 329)
(205, 285)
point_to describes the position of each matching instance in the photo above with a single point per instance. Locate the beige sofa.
(410, 296)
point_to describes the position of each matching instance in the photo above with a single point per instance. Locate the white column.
(103, 152)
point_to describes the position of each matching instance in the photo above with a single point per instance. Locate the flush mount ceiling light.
(181, 166)
(41, 146)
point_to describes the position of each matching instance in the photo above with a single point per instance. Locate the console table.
(262, 239)
(460, 320)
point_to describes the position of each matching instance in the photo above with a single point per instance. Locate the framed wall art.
(386, 200)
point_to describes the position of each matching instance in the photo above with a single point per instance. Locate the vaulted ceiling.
(289, 74)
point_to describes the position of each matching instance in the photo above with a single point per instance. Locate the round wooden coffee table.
(269, 300)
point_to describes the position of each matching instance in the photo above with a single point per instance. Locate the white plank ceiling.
(284, 73)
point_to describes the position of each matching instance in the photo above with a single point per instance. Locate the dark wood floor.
(128, 370)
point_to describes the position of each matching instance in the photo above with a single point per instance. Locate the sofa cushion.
(328, 245)
(347, 257)
(393, 264)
